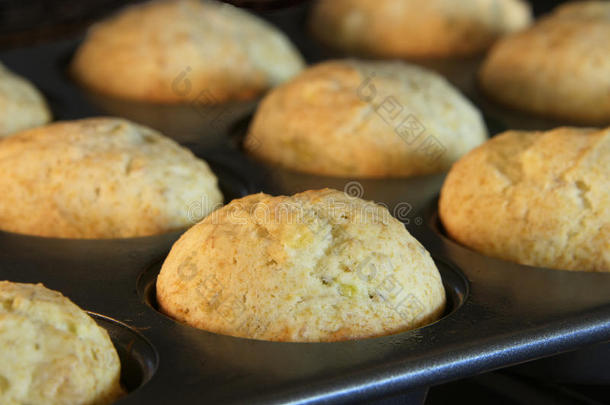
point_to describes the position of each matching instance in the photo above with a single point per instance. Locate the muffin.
(365, 119)
(175, 51)
(21, 104)
(52, 351)
(416, 28)
(316, 266)
(559, 68)
(101, 178)
(535, 198)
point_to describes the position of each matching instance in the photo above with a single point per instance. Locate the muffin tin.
(499, 313)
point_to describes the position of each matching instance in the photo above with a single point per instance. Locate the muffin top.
(416, 28)
(52, 351)
(21, 104)
(557, 68)
(174, 51)
(316, 266)
(101, 178)
(365, 119)
(536, 198)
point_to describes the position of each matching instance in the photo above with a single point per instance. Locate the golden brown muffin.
(53, 353)
(174, 51)
(416, 28)
(365, 119)
(558, 68)
(536, 198)
(21, 104)
(101, 178)
(316, 266)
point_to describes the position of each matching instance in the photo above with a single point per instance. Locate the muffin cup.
(512, 118)
(139, 359)
(414, 191)
(190, 122)
(548, 292)
(259, 357)
(456, 290)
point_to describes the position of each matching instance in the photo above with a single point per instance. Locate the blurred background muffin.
(535, 198)
(365, 119)
(317, 266)
(160, 50)
(100, 178)
(21, 104)
(559, 68)
(416, 28)
(52, 352)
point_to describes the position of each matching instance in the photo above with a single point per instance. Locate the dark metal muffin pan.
(500, 313)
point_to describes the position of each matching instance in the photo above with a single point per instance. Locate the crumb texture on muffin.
(559, 68)
(316, 266)
(536, 198)
(416, 28)
(101, 178)
(365, 119)
(21, 104)
(52, 351)
(166, 50)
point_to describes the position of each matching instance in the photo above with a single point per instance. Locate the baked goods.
(366, 119)
(52, 351)
(416, 28)
(101, 178)
(316, 266)
(536, 198)
(21, 104)
(185, 50)
(558, 68)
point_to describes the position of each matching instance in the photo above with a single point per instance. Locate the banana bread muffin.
(536, 198)
(416, 28)
(100, 178)
(21, 104)
(365, 119)
(52, 351)
(171, 51)
(559, 68)
(316, 266)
